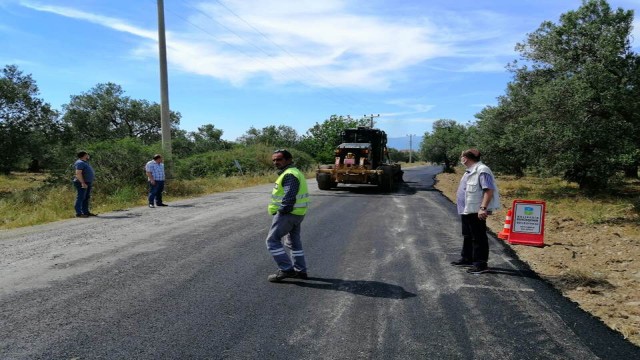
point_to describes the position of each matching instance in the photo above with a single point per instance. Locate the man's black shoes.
(281, 275)
(477, 270)
(162, 205)
(462, 263)
(291, 274)
(473, 269)
(86, 215)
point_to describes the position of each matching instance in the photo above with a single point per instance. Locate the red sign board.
(527, 224)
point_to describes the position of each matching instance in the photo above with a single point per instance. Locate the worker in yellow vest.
(289, 201)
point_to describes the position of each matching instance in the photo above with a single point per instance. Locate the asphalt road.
(189, 281)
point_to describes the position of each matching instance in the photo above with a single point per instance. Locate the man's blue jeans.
(82, 199)
(155, 192)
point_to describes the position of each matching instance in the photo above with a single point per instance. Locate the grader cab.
(361, 158)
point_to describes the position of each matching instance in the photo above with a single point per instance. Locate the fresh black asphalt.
(189, 282)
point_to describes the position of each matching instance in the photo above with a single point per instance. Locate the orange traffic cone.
(506, 229)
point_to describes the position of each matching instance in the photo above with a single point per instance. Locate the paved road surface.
(189, 281)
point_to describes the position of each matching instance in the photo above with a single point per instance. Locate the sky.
(239, 64)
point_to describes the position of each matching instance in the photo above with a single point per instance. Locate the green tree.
(322, 139)
(281, 136)
(105, 113)
(445, 143)
(28, 125)
(631, 157)
(500, 138)
(181, 144)
(579, 94)
(208, 138)
(397, 155)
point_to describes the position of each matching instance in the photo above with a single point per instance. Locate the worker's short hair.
(472, 154)
(81, 154)
(157, 156)
(285, 153)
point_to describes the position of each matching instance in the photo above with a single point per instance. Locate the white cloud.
(412, 106)
(486, 65)
(106, 21)
(318, 43)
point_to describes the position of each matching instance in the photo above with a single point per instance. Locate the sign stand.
(527, 226)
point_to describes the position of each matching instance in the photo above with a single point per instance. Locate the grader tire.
(324, 181)
(386, 180)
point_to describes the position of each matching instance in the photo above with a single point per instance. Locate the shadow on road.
(357, 287)
(514, 272)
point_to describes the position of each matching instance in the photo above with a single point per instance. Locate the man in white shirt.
(477, 198)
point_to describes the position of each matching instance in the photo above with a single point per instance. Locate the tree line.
(122, 133)
(572, 108)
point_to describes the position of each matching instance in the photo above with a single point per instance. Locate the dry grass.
(592, 252)
(20, 181)
(26, 200)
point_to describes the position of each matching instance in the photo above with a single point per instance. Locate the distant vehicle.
(362, 158)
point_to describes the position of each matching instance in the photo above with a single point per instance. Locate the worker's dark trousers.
(475, 246)
(286, 228)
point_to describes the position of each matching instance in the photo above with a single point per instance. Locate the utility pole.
(410, 146)
(370, 117)
(165, 122)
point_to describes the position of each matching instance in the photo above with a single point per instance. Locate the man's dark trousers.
(475, 246)
(82, 199)
(155, 192)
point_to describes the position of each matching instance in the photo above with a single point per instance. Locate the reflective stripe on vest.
(302, 197)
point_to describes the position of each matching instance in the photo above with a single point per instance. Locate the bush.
(120, 163)
(253, 159)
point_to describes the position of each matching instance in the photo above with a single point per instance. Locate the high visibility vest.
(302, 197)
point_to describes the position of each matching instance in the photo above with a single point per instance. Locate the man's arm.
(150, 177)
(488, 186)
(147, 168)
(290, 184)
(487, 195)
(80, 178)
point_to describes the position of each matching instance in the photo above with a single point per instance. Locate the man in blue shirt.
(83, 181)
(155, 176)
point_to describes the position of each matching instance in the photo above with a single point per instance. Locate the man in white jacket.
(477, 198)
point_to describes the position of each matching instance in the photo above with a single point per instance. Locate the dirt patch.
(595, 265)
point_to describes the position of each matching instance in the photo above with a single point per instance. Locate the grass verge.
(27, 199)
(592, 244)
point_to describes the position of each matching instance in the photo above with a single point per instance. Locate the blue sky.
(243, 63)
